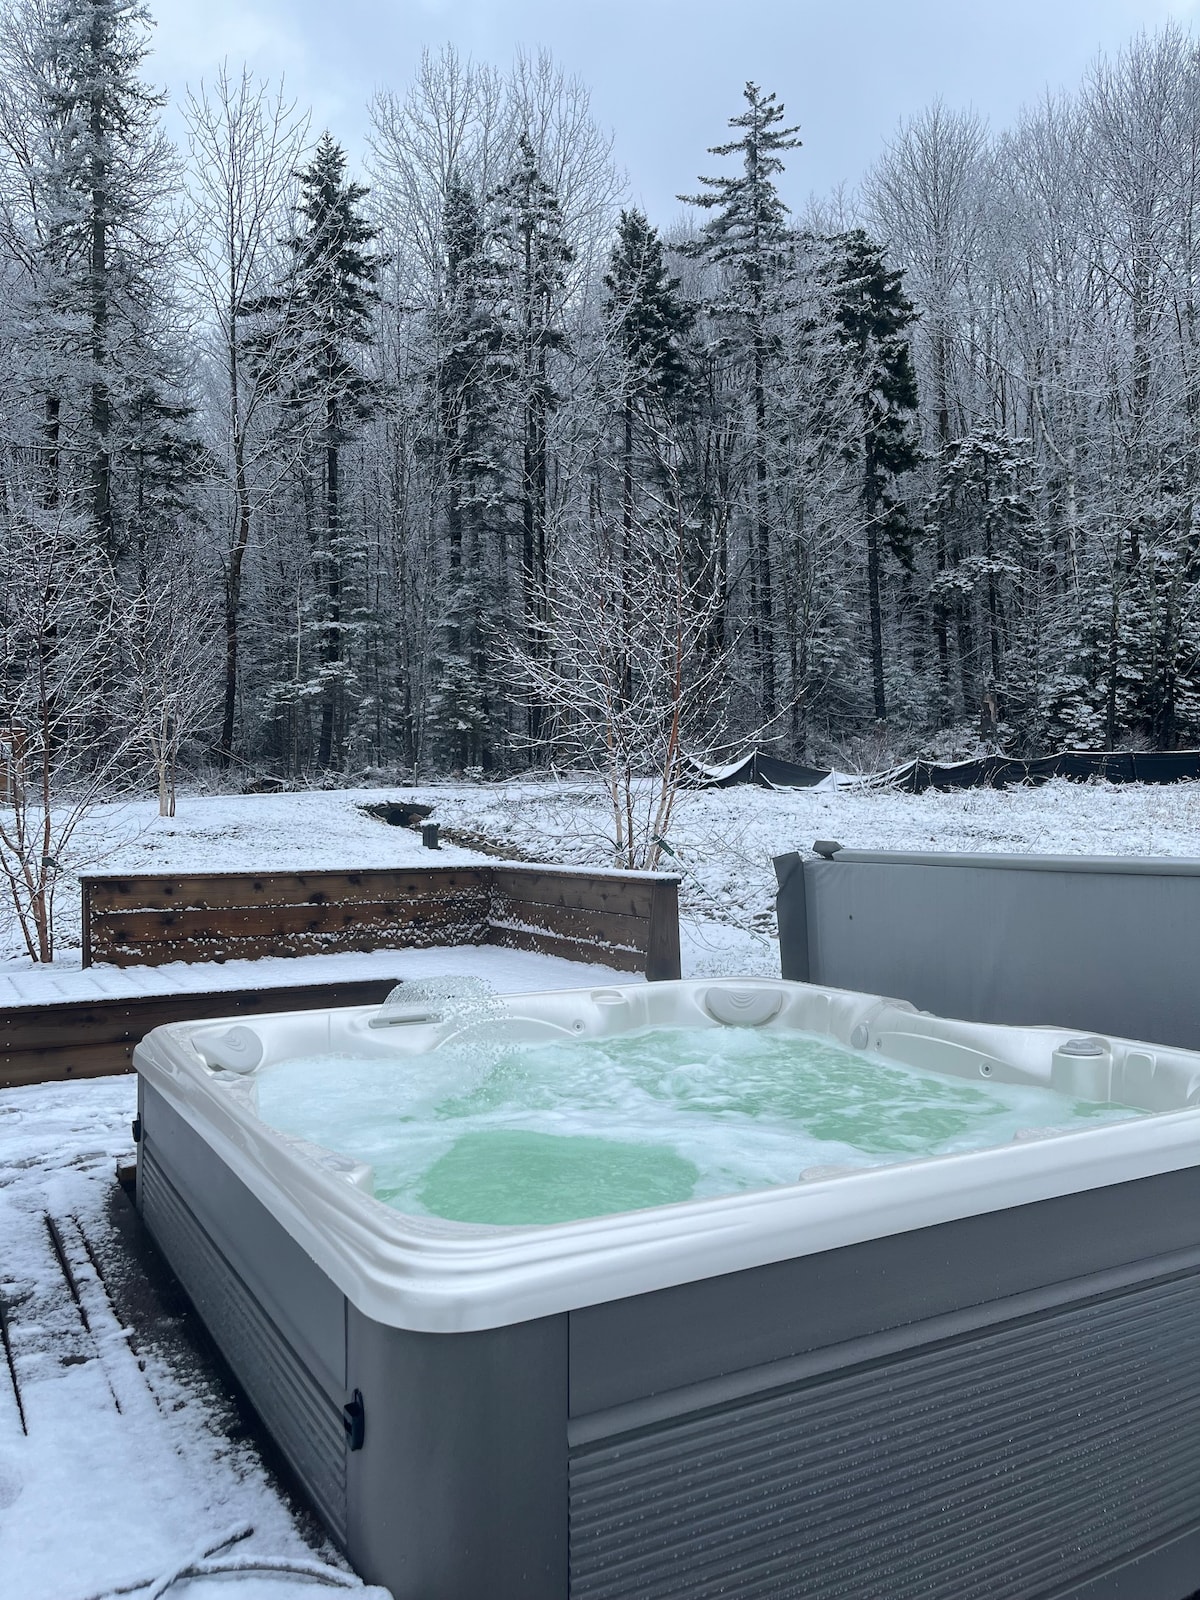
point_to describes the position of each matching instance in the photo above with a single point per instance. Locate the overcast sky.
(665, 75)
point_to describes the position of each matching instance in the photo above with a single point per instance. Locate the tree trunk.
(51, 451)
(761, 565)
(627, 553)
(874, 605)
(331, 635)
(100, 471)
(941, 621)
(1110, 699)
(233, 598)
(529, 556)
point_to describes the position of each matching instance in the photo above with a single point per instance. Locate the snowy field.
(723, 841)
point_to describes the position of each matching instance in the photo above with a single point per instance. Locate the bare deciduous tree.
(170, 655)
(246, 142)
(60, 647)
(625, 673)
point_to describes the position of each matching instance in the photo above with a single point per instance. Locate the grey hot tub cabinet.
(996, 1408)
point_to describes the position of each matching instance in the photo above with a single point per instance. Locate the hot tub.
(973, 1373)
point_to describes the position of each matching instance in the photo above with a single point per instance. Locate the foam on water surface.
(546, 1133)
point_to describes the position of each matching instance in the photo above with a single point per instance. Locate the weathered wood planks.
(152, 937)
(88, 1039)
(212, 890)
(630, 896)
(631, 923)
(628, 921)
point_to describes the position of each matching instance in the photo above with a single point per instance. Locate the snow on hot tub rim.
(430, 1275)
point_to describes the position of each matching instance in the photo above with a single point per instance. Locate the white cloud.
(194, 36)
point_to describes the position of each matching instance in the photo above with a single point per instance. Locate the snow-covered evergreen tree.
(747, 237)
(315, 324)
(104, 169)
(531, 251)
(987, 496)
(470, 367)
(873, 315)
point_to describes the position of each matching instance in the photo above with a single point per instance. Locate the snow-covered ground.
(723, 841)
(120, 1467)
(506, 970)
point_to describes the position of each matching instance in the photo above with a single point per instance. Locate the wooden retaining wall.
(228, 916)
(629, 921)
(91, 1038)
(625, 920)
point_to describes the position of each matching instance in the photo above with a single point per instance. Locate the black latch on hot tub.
(354, 1419)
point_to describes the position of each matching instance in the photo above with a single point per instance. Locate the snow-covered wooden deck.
(125, 1454)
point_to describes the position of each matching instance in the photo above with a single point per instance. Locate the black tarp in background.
(986, 772)
(998, 772)
(769, 772)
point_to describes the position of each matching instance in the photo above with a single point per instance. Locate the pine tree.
(647, 322)
(321, 314)
(114, 454)
(873, 314)
(748, 235)
(105, 172)
(987, 499)
(1129, 664)
(169, 466)
(532, 253)
(468, 369)
(646, 314)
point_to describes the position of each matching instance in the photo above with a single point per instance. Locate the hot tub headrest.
(742, 1007)
(236, 1049)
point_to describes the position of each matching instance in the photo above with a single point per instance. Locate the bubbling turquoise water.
(555, 1132)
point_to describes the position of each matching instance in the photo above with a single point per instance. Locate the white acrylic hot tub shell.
(426, 1275)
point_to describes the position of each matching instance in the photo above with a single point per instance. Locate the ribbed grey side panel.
(300, 1416)
(1006, 1465)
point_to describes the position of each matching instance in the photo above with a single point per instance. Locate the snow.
(723, 841)
(126, 1468)
(510, 970)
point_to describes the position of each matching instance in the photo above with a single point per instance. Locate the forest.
(462, 464)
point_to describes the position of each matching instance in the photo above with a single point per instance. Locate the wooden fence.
(91, 1038)
(625, 920)
(628, 921)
